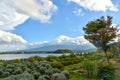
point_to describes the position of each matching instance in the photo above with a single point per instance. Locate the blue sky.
(63, 22)
(31, 21)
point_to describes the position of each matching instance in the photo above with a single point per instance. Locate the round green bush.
(17, 71)
(44, 77)
(24, 76)
(36, 74)
(48, 72)
(42, 70)
(66, 73)
(106, 71)
(9, 70)
(5, 74)
(58, 76)
(55, 70)
(57, 65)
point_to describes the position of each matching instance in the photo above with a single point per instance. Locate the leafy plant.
(89, 67)
(106, 71)
(100, 32)
(58, 76)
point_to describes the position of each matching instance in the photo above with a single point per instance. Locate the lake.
(20, 56)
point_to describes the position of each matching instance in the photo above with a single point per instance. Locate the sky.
(32, 21)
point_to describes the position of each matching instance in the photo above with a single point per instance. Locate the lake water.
(20, 56)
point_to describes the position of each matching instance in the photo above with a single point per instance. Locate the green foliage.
(89, 67)
(100, 33)
(63, 57)
(48, 72)
(56, 70)
(72, 55)
(17, 71)
(57, 65)
(63, 51)
(1, 63)
(42, 70)
(58, 76)
(24, 76)
(36, 74)
(31, 59)
(17, 61)
(38, 58)
(110, 55)
(66, 73)
(37, 70)
(52, 58)
(44, 77)
(5, 74)
(106, 71)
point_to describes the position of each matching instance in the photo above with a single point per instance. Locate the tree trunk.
(106, 56)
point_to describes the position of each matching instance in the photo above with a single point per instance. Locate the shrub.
(47, 66)
(1, 63)
(89, 67)
(1, 72)
(110, 55)
(42, 70)
(17, 71)
(56, 70)
(57, 65)
(66, 73)
(17, 61)
(36, 74)
(44, 77)
(38, 58)
(51, 58)
(9, 66)
(63, 57)
(24, 76)
(31, 59)
(72, 55)
(58, 76)
(106, 71)
(5, 74)
(48, 72)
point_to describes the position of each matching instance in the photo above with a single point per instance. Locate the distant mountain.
(64, 42)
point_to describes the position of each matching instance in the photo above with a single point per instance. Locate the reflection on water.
(19, 56)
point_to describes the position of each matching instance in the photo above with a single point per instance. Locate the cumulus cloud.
(37, 9)
(62, 39)
(10, 42)
(15, 12)
(96, 5)
(9, 17)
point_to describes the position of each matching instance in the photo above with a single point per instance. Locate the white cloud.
(37, 9)
(62, 39)
(15, 12)
(10, 18)
(78, 12)
(10, 42)
(96, 5)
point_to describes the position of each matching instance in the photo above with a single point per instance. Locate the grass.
(75, 72)
(73, 67)
(76, 76)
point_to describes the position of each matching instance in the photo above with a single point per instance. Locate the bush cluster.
(31, 69)
(63, 60)
(106, 71)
